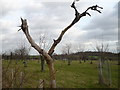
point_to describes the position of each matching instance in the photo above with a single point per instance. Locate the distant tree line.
(88, 55)
(20, 53)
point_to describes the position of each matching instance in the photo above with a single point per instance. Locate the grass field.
(76, 75)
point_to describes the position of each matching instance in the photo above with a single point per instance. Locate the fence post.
(21, 79)
(12, 76)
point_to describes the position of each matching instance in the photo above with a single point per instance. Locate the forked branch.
(75, 20)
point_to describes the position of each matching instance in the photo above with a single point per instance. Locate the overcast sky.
(49, 18)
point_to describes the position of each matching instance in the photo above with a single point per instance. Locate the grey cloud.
(12, 41)
(50, 15)
(51, 19)
(103, 27)
(106, 21)
(9, 6)
(99, 35)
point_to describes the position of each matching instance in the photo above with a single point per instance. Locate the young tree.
(42, 44)
(66, 49)
(102, 49)
(22, 52)
(47, 55)
(81, 48)
(118, 51)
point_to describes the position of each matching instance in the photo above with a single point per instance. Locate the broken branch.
(75, 20)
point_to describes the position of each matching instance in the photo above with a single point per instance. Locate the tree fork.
(47, 56)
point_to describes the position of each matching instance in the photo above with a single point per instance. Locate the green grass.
(76, 75)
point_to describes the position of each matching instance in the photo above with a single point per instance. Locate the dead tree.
(48, 55)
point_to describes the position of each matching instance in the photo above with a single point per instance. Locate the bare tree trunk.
(50, 63)
(47, 56)
(80, 61)
(42, 63)
(52, 75)
(101, 80)
(118, 59)
(91, 62)
(69, 62)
